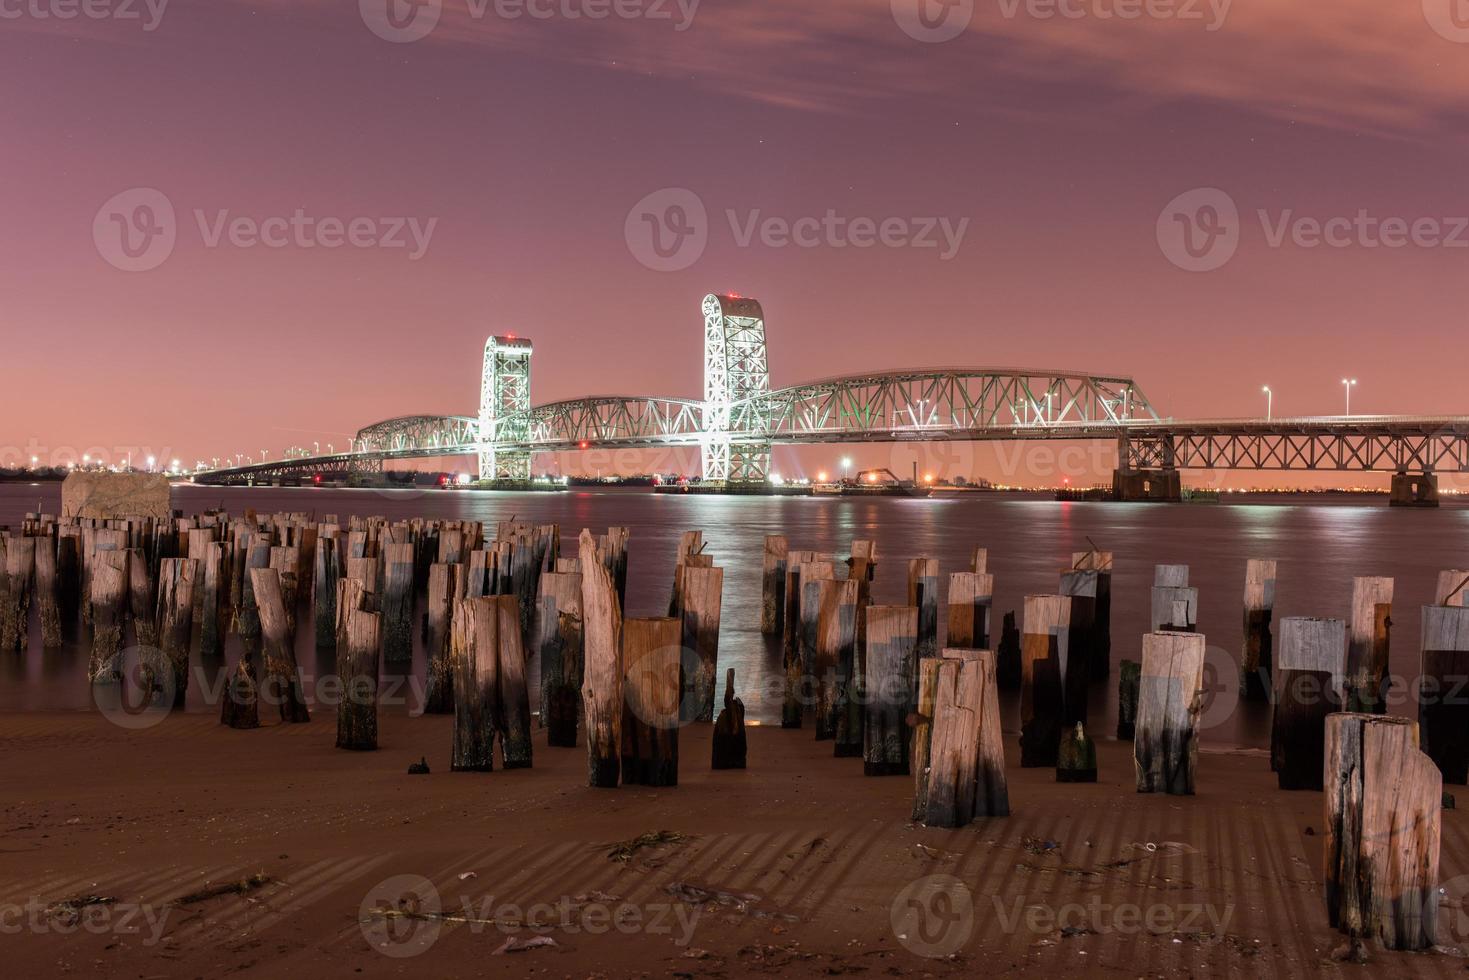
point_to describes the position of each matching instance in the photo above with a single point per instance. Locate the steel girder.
(736, 373)
(1395, 444)
(432, 433)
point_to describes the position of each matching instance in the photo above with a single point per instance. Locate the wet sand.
(800, 860)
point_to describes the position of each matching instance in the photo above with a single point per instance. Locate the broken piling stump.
(730, 747)
(1309, 684)
(772, 589)
(1166, 746)
(700, 594)
(650, 721)
(888, 681)
(282, 676)
(474, 651)
(1043, 685)
(359, 662)
(923, 593)
(602, 679)
(1256, 659)
(970, 597)
(1443, 708)
(559, 642)
(1129, 680)
(966, 756)
(1368, 644)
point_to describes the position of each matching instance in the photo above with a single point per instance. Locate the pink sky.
(527, 142)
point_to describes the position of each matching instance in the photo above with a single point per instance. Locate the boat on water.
(874, 483)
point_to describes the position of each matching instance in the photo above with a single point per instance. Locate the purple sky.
(522, 144)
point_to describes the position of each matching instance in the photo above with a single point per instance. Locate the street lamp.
(1349, 384)
(846, 465)
(1269, 402)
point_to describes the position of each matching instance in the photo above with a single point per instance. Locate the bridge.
(741, 418)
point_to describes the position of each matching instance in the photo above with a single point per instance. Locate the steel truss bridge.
(740, 419)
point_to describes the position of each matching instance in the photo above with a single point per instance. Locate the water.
(1320, 547)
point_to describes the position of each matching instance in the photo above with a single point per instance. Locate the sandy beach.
(794, 866)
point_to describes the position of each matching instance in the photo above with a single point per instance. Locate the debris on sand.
(69, 910)
(515, 944)
(744, 903)
(243, 886)
(623, 851)
(1038, 845)
(419, 768)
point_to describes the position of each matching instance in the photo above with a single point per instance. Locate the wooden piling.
(772, 592)
(1443, 705)
(1087, 642)
(1309, 685)
(142, 598)
(1383, 811)
(210, 586)
(397, 604)
(922, 739)
(1008, 656)
(1129, 681)
(247, 616)
(889, 681)
(20, 563)
(650, 721)
(971, 595)
(68, 575)
(802, 679)
(1166, 747)
(176, 578)
(1452, 588)
(1076, 760)
(1043, 686)
(602, 681)
(966, 753)
(730, 748)
(281, 673)
(1257, 656)
(979, 561)
(559, 642)
(792, 652)
(515, 738)
(1368, 644)
(923, 593)
(439, 691)
(108, 588)
(1100, 562)
(835, 668)
(327, 572)
(700, 593)
(475, 655)
(48, 595)
(359, 661)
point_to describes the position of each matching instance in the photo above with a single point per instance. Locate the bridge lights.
(1349, 384)
(846, 466)
(1269, 402)
(584, 445)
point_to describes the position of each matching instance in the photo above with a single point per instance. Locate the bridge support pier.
(1165, 485)
(1414, 490)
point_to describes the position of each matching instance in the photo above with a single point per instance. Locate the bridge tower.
(736, 369)
(504, 406)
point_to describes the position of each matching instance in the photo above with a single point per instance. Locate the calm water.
(1320, 548)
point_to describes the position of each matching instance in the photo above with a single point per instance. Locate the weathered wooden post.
(1368, 644)
(1082, 585)
(838, 668)
(439, 692)
(475, 654)
(211, 586)
(700, 594)
(690, 546)
(247, 615)
(1076, 760)
(357, 712)
(979, 561)
(652, 687)
(48, 594)
(833, 605)
(923, 593)
(730, 747)
(327, 572)
(68, 574)
(1129, 680)
(398, 601)
(559, 641)
(515, 742)
(281, 673)
(889, 680)
(1166, 747)
(176, 619)
(602, 681)
(791, 645)
(1383, 808)
(240, 708)
(864, 553)
(286, 560)
(966, 777)
(142, 598)
(971, 595)
(1309, 682)
(20, 562)
(1008, 656)
(922, 739)
(1100, 562)
(617, 539)
(1443, 690)
(1175, 606)
(1255, 660)
(1043, 684)
(109, 586)
(1453, 588)
(772, 592)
